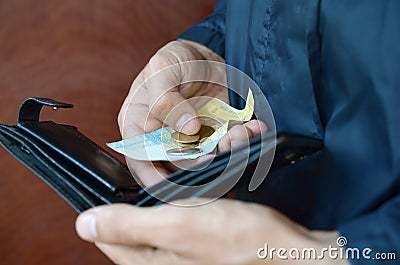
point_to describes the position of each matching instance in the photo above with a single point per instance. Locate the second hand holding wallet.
(86, 175)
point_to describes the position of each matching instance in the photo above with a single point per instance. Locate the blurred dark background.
(85, 52)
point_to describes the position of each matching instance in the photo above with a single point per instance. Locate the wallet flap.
(31, 107)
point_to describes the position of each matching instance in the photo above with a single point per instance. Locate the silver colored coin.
(184, 151)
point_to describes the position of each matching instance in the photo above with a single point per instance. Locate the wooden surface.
(85, 52)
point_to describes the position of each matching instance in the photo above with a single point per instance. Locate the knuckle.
(263, 127)
(239, 134)
(162, 59)
(224, 143)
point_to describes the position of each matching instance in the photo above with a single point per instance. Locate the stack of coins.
(184, 139)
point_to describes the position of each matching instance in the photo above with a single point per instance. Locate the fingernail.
(86, 226)
(186, 124)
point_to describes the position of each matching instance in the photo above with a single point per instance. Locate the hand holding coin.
(166, 144)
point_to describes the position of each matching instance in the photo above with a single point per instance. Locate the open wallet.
(85, 175)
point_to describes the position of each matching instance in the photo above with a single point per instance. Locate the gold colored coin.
(206, 131)
(184, 138)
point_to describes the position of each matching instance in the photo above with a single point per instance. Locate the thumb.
(174, 110)
(165, 77)
(124, 224)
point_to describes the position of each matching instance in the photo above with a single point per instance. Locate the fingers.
(159, 227)
(155, 100)
(164, 77)
(174, 110)
(159, 95)
(257, 127)
(240, 134)
(146, 172)
(120, 224)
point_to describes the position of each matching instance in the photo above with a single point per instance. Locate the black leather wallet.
(86, 175)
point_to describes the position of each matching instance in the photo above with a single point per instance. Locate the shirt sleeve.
(211, 31)
(374, 237)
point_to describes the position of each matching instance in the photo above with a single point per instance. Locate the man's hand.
(222, 232)
(159, 96)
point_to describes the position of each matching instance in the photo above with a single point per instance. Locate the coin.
(184, 138)
(184, 151)
(206, 131)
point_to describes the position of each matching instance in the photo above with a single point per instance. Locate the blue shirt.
(331, 70)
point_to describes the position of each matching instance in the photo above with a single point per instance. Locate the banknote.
(160, 146)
